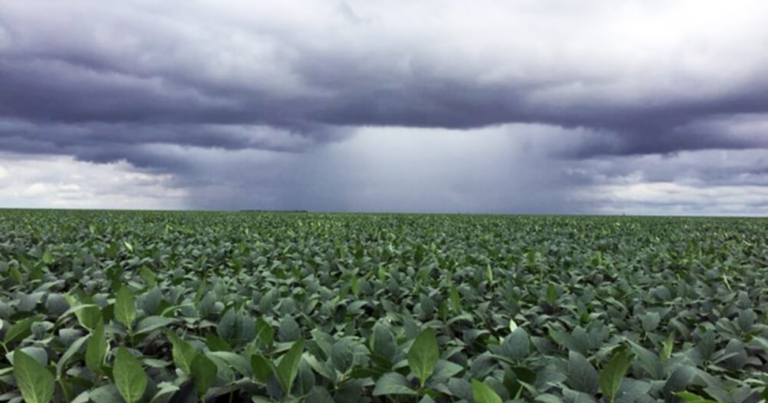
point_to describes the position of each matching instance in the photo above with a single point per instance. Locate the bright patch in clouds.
(63, 182)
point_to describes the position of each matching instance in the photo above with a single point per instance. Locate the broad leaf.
(289, 366)
(581, 374)
(73, 349)
(613, 373)
(125, 307)
(35, 382)
(130, 378)
(152, 323)
(20, 330)
(96, 348)
(261, 368)
(392, 384)
(423, 355)
(183, 352)
(482, 393)
(203, 372)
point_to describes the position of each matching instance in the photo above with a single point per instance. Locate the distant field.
(246, 306)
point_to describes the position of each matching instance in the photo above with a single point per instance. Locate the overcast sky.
(509, 106)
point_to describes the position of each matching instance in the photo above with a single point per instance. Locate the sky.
(489, 106)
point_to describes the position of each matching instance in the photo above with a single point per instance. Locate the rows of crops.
(230, 307)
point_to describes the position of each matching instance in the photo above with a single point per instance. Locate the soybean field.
(156, 307)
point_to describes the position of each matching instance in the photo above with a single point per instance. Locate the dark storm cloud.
(88, 75)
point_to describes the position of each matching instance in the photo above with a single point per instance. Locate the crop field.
(266, 307)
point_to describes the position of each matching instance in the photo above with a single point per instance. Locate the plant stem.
(64, 390)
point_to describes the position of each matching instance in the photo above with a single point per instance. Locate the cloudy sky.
(510, 106)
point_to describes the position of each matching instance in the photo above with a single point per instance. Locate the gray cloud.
(229, 96)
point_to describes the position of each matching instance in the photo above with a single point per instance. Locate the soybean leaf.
(105, 394)
(261, 367)
(71, 351)
(289, 366)
(482, 393)
(692, 398)
(384, 343)
(125, 307)
(319, 394)
(152, 323)
(423, 355)
(392, 384)
(35, 382)
(130, 378)
(20, 330)
(215, 343)
(265, 335)
(164, 388)
(613, 373)
(289, 330)
(669, 344)
(516, 345)
(581, 374)
(183, 352)
(203, 372)
(96, 348)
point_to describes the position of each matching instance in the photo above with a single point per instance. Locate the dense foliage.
(190, 307)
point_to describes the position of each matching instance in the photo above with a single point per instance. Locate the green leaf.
(164, 388)
(152, 323)
(265, 335)
(319, 394)
(551, 293)
(342, 355)
(71, 351)
(289, 330)
(236, 361)
(581, 374)
(20, 330)
(38, 353)
(445, 370)
(183, 352)
(147, 275)
(516, 345)
(392, 384)
(105, 394)
(692, 398)
(203, 372)
(679, 380)
(216, 344)
(482, 393)
(96, 348)
(82, 398)
(130, 379)
(87, 315)
(384, 343)
(515, 378)
(289, 366)
(35, 382)
(423, 355)
(455, 299)
(125, 307)
(668, 345)
(261, 367)
(613, 373)
(47, 257)
(650, 321)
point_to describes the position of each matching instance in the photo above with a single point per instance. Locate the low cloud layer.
(519, 106)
